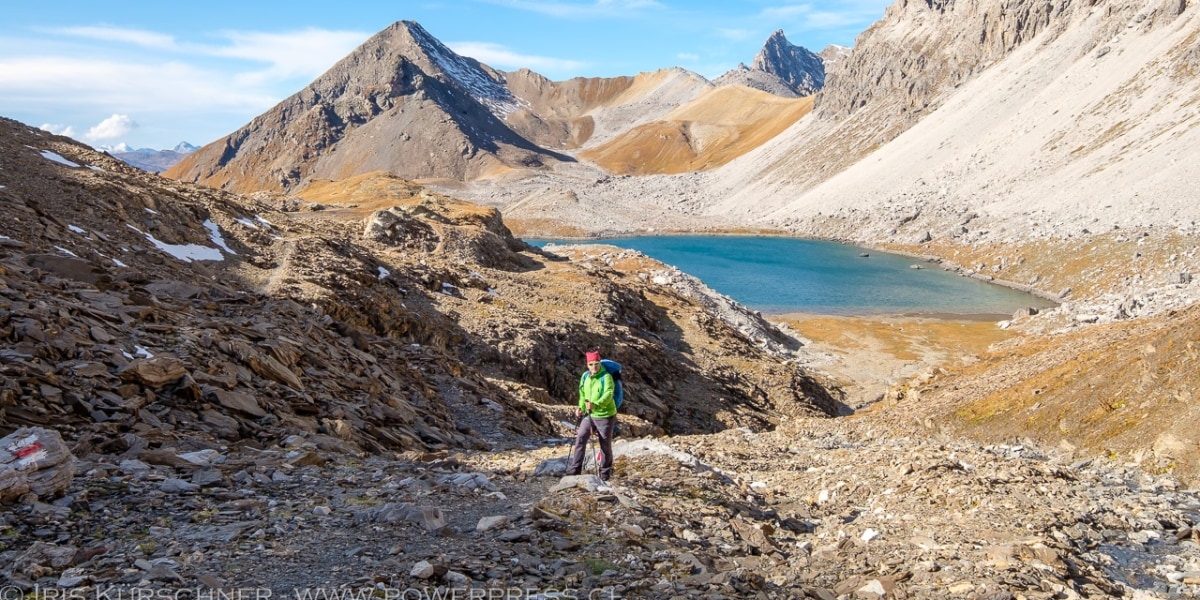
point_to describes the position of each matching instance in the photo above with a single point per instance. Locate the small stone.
(873, 586)
(490, 523)
(73, 577)
(422, 570)
(960, 588)
(177, 486)
(632, 530)
(206, 477)
(432, 519)
(203, 458)
(322, 511)
(513, 536)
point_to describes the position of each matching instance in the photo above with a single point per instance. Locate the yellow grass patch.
(1125, 388)
(708, 132)
(903, 338)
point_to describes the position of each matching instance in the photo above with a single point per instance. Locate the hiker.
(598, 413)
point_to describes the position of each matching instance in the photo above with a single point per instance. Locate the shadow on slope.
(140, 313)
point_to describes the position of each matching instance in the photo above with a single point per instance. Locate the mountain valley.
(316, 357)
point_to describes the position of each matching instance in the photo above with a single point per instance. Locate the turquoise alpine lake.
(778, 275)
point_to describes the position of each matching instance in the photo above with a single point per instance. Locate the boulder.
(33, 459)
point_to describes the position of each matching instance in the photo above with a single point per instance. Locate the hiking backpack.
(614, 368)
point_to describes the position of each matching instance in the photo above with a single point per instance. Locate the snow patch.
(488, 92)
(216, 236)
(184, 252)
(48, 155)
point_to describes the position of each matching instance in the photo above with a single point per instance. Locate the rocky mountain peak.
(481, 82)
(802, 70)
(401, 103)
(780, 68)
(777, 40)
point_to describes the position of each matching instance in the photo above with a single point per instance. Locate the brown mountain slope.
(566, 103)
(401, 103)
(1126, 390)
(1027, 118)
(288, 337)
(707, 132)
(584, 112)
(382, 318)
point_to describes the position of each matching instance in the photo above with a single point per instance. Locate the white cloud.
(137, 37)
(80, 75)
(738, 35)
(496, 55)
(54, 82)
(191, 81)
(111, 128)
(599, 8)
(790, 11)
(688, 57)
(56, 129)
(806, 16)
(306, 53)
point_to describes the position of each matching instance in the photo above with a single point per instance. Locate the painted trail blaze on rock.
(27, 451)
(34, 460)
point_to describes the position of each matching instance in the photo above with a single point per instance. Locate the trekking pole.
(571, 449)
(587, 450)
(598, 456)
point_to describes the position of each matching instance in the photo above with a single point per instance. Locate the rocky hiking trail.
(819, 508)
(387, 423)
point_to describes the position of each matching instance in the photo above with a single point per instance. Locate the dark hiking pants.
(603, 428)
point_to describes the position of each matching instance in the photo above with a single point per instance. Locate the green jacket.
(599, 390)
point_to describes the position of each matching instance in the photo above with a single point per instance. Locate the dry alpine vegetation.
(359, 395)
(332, 368)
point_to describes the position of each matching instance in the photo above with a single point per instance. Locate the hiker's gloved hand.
(589, 407)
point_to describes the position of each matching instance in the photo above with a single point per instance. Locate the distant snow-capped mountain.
(149, 159)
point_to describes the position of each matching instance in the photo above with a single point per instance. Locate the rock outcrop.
(780, 68)
(401, 103)
(37, 461)
(138, 312)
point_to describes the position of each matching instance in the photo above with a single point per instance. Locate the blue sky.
(153, 74)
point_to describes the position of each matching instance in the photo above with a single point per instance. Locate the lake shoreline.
(882, 316)
(942, 263)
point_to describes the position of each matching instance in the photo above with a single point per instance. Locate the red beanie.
(593, 357)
